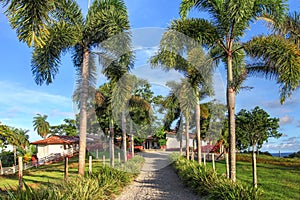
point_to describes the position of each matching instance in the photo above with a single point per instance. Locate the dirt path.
(157, 181)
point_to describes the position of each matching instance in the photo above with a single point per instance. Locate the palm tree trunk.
(132, 139)
(199, 158)
(111, 143)
(231, 121)
(83, 112)
(187, 135)
(254, 173)
(124, 136)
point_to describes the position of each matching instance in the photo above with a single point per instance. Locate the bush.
(102, 184)
(133, 165)
(7, 158)
(207, 183)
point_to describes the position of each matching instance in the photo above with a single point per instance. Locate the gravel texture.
(157, 181)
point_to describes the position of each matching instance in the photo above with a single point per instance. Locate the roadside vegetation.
(46, 182)
(276, 181)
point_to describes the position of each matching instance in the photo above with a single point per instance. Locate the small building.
(56, 146)
(173, 143)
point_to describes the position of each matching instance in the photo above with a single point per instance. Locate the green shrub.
(101, 184)
(133, 165)
(207, 183)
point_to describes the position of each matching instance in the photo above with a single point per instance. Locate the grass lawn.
(52, 173)
(279, 180)
(103, 183)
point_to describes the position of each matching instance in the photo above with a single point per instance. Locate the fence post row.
(90, 165)
(20, 166)
(1, 168)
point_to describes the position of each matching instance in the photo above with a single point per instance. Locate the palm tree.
(222, 35)
(186, 99)
(120, 97)
(198, 70)
(41, 125)
(57, 26)
(18, 138)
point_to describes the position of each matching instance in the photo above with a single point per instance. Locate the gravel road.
(157, 181)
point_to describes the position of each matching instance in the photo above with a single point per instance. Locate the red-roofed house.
(56, 146)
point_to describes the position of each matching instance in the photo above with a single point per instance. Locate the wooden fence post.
(193, 156)
(1, 168)
(103, 159)
(119, 157)
(97, 154)
(204, 159)
(213, 161)
(227, 165)
(90, 165)
(66, 174)
(20, 162)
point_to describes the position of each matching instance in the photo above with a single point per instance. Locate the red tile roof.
(56, 139)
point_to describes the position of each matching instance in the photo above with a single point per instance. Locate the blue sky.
(21, 99)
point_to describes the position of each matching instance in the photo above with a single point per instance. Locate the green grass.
(47, 181)
(280, 180)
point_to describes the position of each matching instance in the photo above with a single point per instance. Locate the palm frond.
(278, 58)
(193, 29)
(46, 59)
(30, 19)
(105, 19)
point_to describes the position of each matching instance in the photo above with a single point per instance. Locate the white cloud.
(286, 120)
(291, 144)
(18, 106)
(16, 94)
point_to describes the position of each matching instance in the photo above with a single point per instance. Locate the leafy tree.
(68, 128)
(3, 139)
(212, 122)
(161, 136)
(54, 27)
(41, 125)
(18, 138)
(222, 35)
(294, 155)
(253, 129)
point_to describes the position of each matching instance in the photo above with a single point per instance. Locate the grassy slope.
(278, 181)
(45, 174)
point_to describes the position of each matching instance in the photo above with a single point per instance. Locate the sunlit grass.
(277, 181)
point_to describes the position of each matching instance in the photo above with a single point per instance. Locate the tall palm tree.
(186, 99)
(57, 26)
(197, 68)
(222, 36)
(41, 125)
(120, 98)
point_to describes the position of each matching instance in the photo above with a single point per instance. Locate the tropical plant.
(18, 138)
(253, 129)
(57, 26)
(41, 125)
(206, 182)
(68, 128)
(197, 68)
(3, 139)
(289, 33)
(222, 35)
(290, 28)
